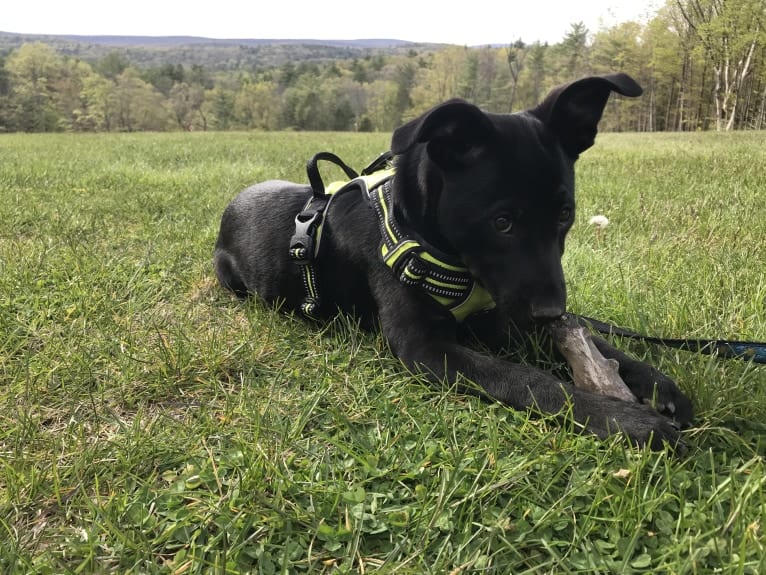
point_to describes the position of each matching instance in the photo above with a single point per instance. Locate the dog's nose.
(545, 313)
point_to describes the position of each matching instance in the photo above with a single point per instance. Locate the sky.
(464, 22)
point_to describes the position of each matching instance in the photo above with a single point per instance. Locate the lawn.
(149, 422)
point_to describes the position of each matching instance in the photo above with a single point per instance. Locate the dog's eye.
(565, 215)
(503, 224)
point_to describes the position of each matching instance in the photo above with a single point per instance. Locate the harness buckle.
(302, 242)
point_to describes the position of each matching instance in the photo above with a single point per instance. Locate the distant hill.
(196, 40)
(215, 53)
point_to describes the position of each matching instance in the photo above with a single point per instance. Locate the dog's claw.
(659, 392)
(670, 407)
(644, 425)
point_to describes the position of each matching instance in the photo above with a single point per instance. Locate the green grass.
(151, 423)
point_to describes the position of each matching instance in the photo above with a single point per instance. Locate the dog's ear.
(455, 132)
(573, 111)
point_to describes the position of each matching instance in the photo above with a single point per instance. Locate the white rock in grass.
(599, 221)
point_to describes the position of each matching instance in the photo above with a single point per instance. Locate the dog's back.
(253, 228)
(252, 251)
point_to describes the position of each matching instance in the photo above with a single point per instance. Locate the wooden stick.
(590, 369)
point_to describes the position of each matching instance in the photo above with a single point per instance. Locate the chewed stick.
(590, 369)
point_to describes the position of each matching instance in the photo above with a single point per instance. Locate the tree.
(359, 71)
(96, 96)
(257, 105)
(730, 32)
(439, 80)
(33, 70)
(199, 76)
(702, 63)
(186, 101)
(621, 48)
(664, 63)
(537, 72)
(692, 98)
(219, 107)
(69, 96)
(7, 121)
(517, 53)
(164, 77)
(478, 78)
(573, 53)
(381, 95)
(112, 65)
(405, 80)
(136, 104)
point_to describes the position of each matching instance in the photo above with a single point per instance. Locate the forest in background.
(702, 64)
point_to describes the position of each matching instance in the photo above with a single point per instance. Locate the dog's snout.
(545, 313)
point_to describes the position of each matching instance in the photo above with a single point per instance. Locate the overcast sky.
(471, 22)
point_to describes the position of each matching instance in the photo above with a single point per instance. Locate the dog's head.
(498, 189)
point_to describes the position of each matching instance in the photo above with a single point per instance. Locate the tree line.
(702, 64)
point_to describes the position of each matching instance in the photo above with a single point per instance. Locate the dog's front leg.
(649, 384)
(526, 387)
(425, 341)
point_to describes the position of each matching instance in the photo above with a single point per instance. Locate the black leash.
(754, 351)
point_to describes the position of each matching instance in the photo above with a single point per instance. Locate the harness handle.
(382, 162)
(315, 178)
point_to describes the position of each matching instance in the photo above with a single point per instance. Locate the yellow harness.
(412, 261)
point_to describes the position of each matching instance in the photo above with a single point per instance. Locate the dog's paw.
(657, 390)
(643, 425)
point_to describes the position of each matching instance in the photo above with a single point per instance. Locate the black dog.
(494, 193)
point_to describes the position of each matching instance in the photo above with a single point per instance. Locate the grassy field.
(151, 423)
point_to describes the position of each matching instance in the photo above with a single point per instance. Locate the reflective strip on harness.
(447, 282)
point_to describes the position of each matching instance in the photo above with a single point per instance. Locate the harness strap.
(754, 351)
(305, 241)
(303, 249)
(443, 278)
